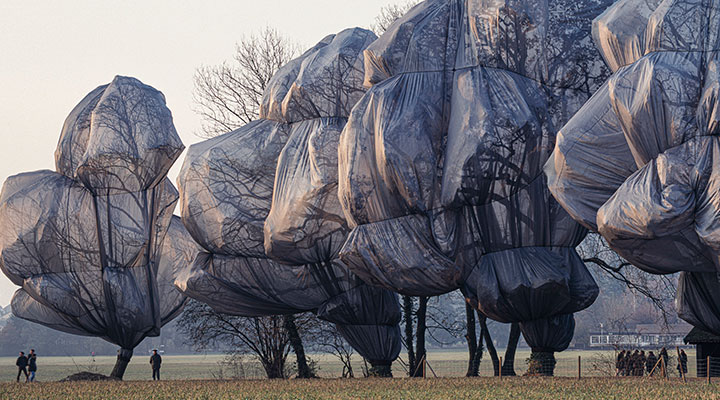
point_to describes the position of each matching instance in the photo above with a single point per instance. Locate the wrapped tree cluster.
(262, 202)
(441, 163)
(87, 243)
(639, 162)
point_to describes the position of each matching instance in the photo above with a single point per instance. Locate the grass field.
(195, 377)
(441, 363)
(440, 388)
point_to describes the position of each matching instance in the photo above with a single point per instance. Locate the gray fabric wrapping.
(262, 202)
(88, 244)
(306, 223)
(413, 265)
(638, 161)
(120, 137)
(698, 300)
(226, 184)
(549, 335)
(179, 250)
(441, 162)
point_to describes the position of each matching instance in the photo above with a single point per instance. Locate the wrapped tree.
(441, 162)
(87, 243)
(638, 162)
(283, 168)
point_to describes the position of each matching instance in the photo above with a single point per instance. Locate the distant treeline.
(20, 335)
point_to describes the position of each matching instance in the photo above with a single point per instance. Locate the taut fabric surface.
(441, 162)
(94, 246)
(639, 161)
(262, 202)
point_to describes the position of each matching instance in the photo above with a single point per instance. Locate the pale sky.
(52, 53)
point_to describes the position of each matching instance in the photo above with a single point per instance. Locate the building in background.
(643, 335)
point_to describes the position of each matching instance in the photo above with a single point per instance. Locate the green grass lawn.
(405, 388)
(177, 367)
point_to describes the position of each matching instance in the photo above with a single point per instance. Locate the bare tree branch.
(388, 14)
(228, 96)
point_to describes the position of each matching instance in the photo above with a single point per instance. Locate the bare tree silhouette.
(388, 14)
(228, 96)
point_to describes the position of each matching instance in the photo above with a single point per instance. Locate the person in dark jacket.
(664, 356)
(32, 364)
(620, 364)
(155, 361)
(628, 363)
(22, 363)
(633, 364)
(651, 361)
(682, 363)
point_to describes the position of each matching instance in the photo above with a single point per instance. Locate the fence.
(576, 364)
(708, 367)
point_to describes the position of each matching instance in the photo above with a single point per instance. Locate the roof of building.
(697, 336)
(653, 329)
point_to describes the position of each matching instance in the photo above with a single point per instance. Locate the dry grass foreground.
(442, 388)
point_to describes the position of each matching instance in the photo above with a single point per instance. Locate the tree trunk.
(304, 370)
(478, 357)
(274, 369)
(508, 367)
(471, 337)
(123, 359)
(380, 370)
(489, 343)
(347, 369)
(542, 363)
(408, 315)
(420, 352)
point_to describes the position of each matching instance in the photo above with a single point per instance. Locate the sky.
(52, 53)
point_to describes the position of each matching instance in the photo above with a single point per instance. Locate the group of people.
(636, 363)
(27, 365)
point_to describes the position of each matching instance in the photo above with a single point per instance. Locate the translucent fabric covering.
(441, 162)
(639, 161)
(549, 335)
(698, 299)
(88, 244)
(262, 202)
(120, 137)
(226, 186)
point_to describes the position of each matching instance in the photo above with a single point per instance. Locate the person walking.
(22, 363)
(682, 363)
(155, 361)
(619, 363)
(650, 364)
(32, 364)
